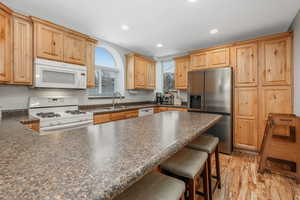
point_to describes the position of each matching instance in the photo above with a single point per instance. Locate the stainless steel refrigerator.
(210, 91)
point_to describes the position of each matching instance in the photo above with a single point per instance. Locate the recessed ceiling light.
(213, 31)
(192, 1)
(159, 45)
(125, 27)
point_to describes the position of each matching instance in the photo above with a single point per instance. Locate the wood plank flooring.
(240, 181)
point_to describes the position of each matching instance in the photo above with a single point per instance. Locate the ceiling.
(178, 24)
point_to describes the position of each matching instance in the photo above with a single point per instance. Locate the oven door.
(63, 76)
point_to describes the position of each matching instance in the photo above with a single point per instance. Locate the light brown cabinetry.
(199, 61)
(181, 72)
(210, 58)
(219, 58)
(151, 75)
(245, 64)
(74, 49)
(276, 61)
(90, 63)
(140, 72)
(246, 114)
(274, 99)
(22, 51)
(32, 125)
(49, 42)
(5, 44)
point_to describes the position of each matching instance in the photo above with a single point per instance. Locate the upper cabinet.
(245, 64)
(181, 72)
(74, 49)
(199, 60)
(58, 43)
(275, 61)
(219, 58)
(90, 63)
(49, 42)
(140, 72)
(151, 75)
(22, 50)
(5, 44)
(210, 58)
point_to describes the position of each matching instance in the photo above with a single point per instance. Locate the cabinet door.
(245, 63)
(5, 46)
(90, 64)
(246, 128)
(74, 49)
(182, 67)
(140, 72)
(275, 99)
(23, 58)
(275, 61)
(49, 43)
(199, 60)
(219, 58)
(151, 73)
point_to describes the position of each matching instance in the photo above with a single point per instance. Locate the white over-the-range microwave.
(52, 74)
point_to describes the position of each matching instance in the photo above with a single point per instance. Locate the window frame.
(119, 69)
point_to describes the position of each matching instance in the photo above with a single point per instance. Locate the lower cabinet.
(108, 117)
(32, 125)
(246, 123)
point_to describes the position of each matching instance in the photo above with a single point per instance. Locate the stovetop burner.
(75, 112)
(48, 114)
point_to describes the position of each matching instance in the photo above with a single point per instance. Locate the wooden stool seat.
(209, 144)
(154, 186)
(187, 165)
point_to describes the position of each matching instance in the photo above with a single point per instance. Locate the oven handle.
(66, 126)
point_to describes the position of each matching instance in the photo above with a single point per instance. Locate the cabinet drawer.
(102, 118)
(131, 114)
(118, 116)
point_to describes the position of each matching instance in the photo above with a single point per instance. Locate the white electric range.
(56, 113)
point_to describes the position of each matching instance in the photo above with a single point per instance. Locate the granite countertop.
(95, 162)
(101, 110)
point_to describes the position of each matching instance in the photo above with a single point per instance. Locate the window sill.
(108, 97)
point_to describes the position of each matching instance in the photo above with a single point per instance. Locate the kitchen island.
(95, 162)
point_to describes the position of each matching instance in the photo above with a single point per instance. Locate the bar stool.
(210, 145)
(154, 186)
(187, 165)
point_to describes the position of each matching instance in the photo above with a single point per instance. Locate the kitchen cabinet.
(74, 49)
(245, 64)
(90, 64)
(32, 125)
(49, 42)
(181, 72)
(151, 75)
(246, 123)
(219, 57)
(274, 99)
(140, 72)
(276, 61)
(199, 60)
(5, 44)
(22, 51)
(102, 118)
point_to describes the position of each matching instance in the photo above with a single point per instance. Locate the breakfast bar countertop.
(94, 162)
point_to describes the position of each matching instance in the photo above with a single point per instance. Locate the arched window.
(108, 72)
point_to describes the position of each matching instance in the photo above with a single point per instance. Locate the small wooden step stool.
(281, 148)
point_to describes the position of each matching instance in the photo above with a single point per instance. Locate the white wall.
(296, 28)
(16, 97)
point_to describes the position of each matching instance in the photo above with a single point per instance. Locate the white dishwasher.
(145, 112)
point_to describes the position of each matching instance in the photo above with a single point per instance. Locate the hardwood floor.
(240, 181)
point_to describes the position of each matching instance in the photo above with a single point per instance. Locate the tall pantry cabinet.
(263, 85)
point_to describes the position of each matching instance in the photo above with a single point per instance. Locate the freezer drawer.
(223, 130)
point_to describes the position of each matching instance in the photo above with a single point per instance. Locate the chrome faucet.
(115, 96)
